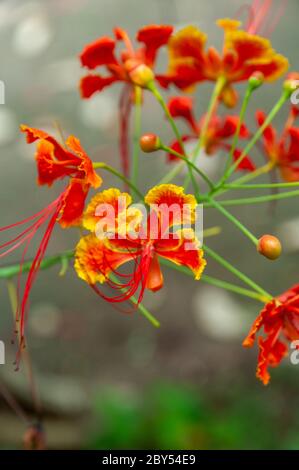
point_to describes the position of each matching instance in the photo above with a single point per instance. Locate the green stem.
(173, 125)
(234, 220)
(104, 166)
(214, 98)
(216, 282)
(261, 186)
(189, 163)
(176, 170)
(284, 97)
(9, 272)
(266, 296)
(244, 106)
(255, 200)
(137, 134)
(213, 101)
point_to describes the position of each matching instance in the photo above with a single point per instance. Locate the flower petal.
(94, 260)
(92, 84)
(74, 202)
(91, 177)
(99, 52)
(154, 36)
(183, 249)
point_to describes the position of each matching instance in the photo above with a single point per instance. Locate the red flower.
(219, 132)
(99, 257)
(101, 53)
(132, 67)
(243, 54)
(280, 320)
(283, 150)
(54, 162)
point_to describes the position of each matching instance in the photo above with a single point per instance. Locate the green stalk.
(137, 134)
(261, 186)
(189, 163)
(213, 101)
(104, 166)
(214, 98)
(173, 125)
(215, 282)
(9, 272)
(265, 295)
(234, 220)
(255, 200)
(248, 93)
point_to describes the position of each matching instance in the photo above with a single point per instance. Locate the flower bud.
(269, 246)
(140, 74)
(291, 84)
(150, 143)
(256, 80)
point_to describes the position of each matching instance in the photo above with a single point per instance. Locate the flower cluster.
(125, 237)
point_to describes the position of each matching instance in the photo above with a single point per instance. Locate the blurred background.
(108, 380)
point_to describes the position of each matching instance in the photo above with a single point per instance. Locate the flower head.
(133, 66)
(220, 131)
(54, 162)
(280, 320)
(282, 150)
(98, 258)
(243, 54)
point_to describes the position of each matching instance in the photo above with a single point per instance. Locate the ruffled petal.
(172, 205)
(94, 260)
(183, 249)
(99, 52)
(182, 106)
(91, 177)
(154, 36)
(92, 84)
(74, 202)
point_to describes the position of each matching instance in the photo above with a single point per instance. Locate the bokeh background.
(109, 380)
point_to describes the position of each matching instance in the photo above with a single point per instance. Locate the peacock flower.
(280, 321)
(243, 54)
(282, 150)
(132, 67)
(151, 237)
(220, 131)
(54, 162)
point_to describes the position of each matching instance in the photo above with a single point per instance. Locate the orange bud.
(269, 246)
(140, 74)
(150, 143)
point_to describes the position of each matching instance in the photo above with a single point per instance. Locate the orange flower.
(133, 67)
(54, 162)
(97, 258)
(220, 130)
(280, 320)
(283, 150)
(243, 54)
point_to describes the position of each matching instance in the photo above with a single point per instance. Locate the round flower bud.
(269, 246)
(140, 74)
(291, 84)
(150, 143)
(256, 80)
